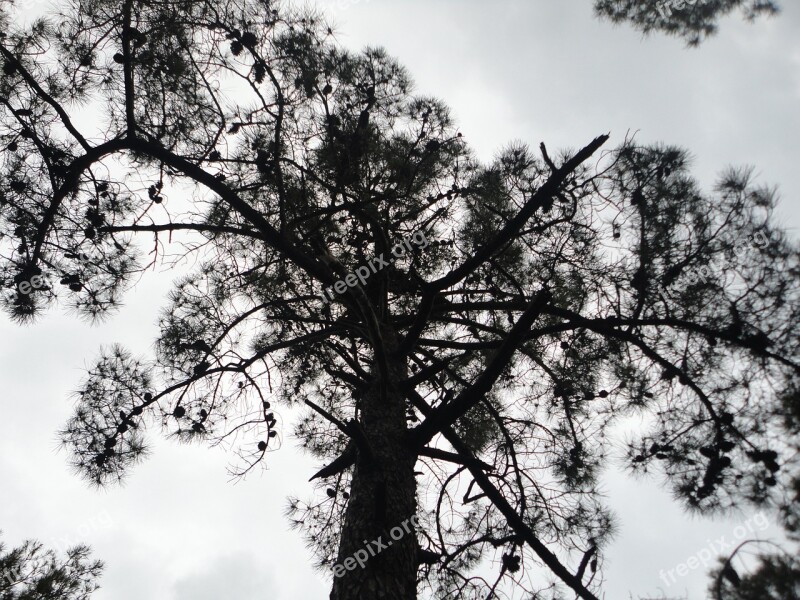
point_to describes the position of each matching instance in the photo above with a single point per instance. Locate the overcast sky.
(534, 70)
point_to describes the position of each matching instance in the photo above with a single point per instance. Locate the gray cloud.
(233, 577)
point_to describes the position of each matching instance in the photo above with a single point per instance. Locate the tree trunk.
(378, 548)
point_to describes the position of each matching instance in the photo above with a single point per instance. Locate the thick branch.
(179, 226)
(512, 228)
(270, 235)
(503, 237)
(46, 97)
(515, 521)
(451, 457)
(448, 414)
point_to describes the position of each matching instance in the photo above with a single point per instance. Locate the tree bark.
(378, 524)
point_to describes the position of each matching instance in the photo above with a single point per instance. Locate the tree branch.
(447, 414)
(507, 233)
(514, 520)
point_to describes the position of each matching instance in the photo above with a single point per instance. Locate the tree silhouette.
(29, 572)
(692, 20)
(467, 379)
(776, 577)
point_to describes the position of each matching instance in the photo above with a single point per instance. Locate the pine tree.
(692, 20)
(776, 577)
(30, 572)
(453, 340)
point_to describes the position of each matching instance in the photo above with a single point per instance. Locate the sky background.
(534, 70)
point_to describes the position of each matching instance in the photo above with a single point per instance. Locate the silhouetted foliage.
(471, 382)
(790, 502)
(691, 20)
(776, 577)
(30, 572)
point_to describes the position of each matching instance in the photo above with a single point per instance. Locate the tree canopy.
(691, 20)
(31, 572)
(471, 381)
(776, 577)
